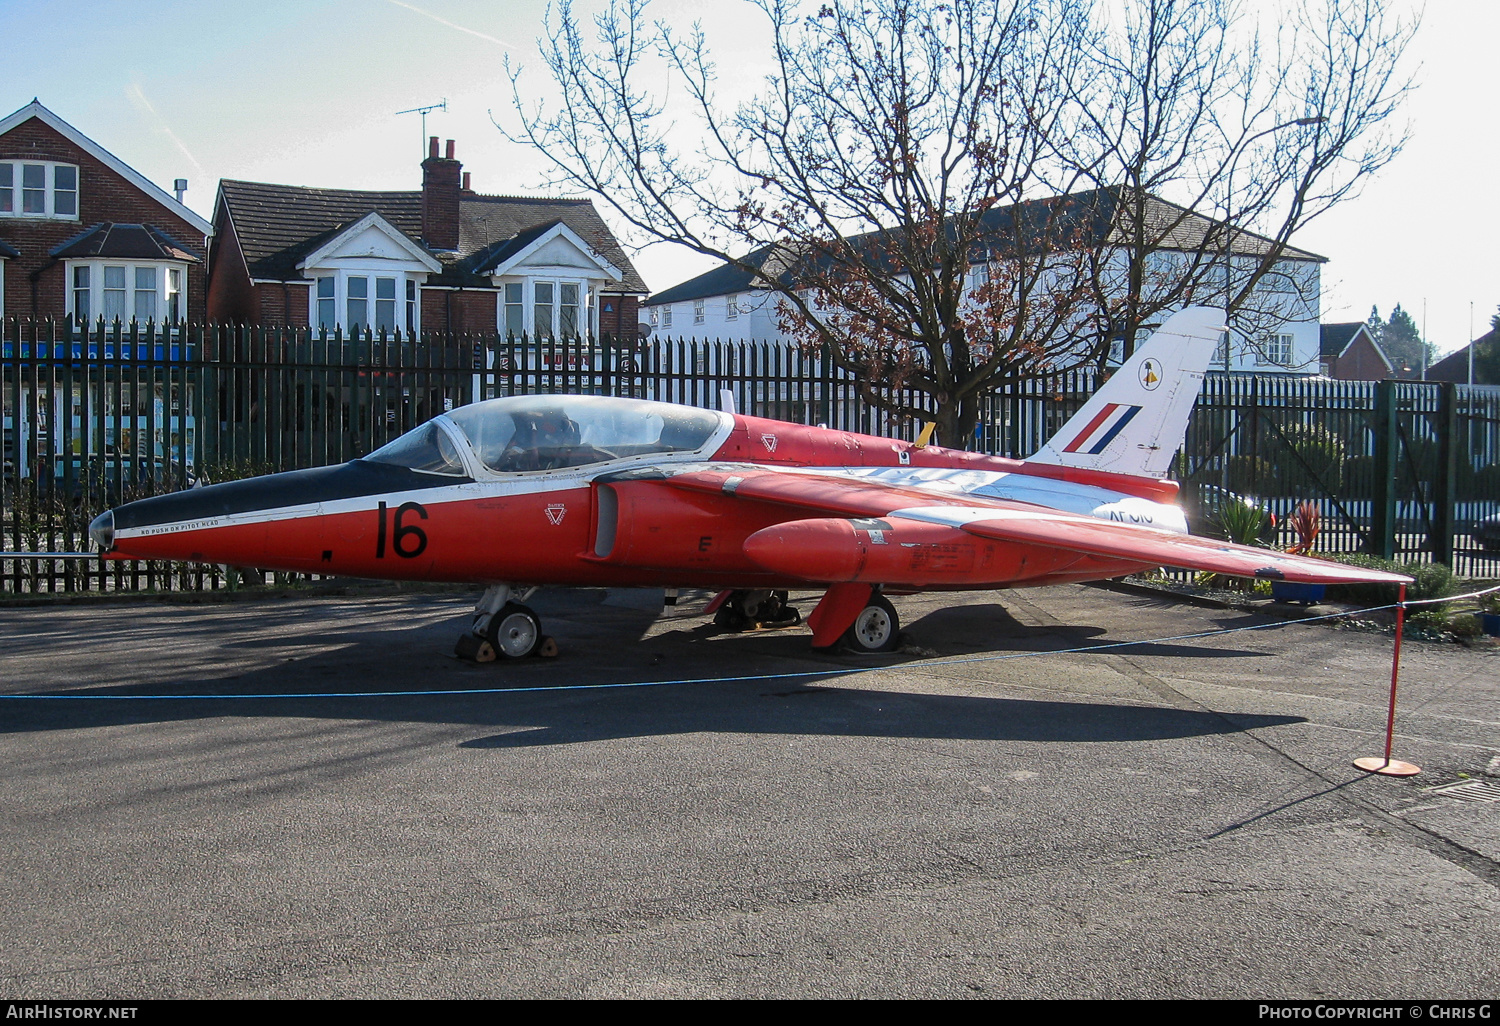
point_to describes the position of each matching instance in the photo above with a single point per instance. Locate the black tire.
(730, 618)
(515, 632)
(875, 629)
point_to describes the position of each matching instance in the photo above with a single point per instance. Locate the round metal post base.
(1387, 767)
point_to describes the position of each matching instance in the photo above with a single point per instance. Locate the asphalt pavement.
(986, 814)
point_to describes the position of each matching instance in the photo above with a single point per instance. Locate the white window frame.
(1280, 349)
(164, 279)
(666, 316)
(698, 311)
(405, 312)
(513, 309)
(584, 294)
(17, 190)
(732, 308)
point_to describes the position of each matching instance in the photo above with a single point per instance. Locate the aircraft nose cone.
(102, 530)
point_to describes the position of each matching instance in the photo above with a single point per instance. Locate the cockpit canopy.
(549, 432)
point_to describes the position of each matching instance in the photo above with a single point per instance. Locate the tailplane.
(1135, 423)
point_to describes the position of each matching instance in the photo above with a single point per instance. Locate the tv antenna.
(443, 106)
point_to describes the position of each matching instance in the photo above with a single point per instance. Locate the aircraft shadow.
(568, 701)
(990, 626)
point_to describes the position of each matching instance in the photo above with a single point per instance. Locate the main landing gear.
(876, 627)
(503, 628)
(744, 610)
(856, 617)
(852, 616)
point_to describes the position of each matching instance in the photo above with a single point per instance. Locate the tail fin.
(1135, 423)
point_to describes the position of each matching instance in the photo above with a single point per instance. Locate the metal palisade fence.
(100, 417)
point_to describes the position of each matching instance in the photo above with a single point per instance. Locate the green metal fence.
(99, 417)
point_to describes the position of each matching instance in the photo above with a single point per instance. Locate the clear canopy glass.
(546, 432)
(427, 448)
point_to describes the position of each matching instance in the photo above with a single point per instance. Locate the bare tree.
(884, 182)
(871, 185)
(1215, 132)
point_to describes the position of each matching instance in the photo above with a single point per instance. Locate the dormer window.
(38, 189)
(365, 302)
(367, 278)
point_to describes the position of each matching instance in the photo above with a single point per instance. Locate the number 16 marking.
(402, 534)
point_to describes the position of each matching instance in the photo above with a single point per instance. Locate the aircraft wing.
(1006, 520)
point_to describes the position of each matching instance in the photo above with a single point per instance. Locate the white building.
(1281, 335)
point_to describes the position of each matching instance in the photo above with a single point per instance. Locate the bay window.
(361, 302)
(125, 291)
(556, 309)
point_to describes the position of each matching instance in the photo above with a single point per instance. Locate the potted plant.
(1304, 521)
(1489, 614)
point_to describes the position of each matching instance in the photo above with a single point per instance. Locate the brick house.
(83, 234)
(443, 258)
(1482, 355)
(1350, 353)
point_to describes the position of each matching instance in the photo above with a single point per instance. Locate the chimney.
(440, 193)
(466, 182)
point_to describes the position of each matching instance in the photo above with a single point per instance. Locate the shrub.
(1465, 625)
(1430, 581)
(1242, 522)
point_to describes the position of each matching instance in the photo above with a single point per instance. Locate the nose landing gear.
(504, 629)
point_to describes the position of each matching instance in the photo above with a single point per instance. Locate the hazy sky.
(305, 92)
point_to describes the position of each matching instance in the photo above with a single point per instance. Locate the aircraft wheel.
(731, 618)
(775, 612)
(875, 628)
(515, 631)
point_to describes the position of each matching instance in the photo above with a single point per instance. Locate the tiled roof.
(1335, 338)
(724, 280)
(485, 220)
(125, 242)
(278, 225)
(1179, 228)
(1089, 218)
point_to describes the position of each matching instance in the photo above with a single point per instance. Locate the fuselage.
(468, 498)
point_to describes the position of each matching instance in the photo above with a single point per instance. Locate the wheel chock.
(548, 647)
(475, 650)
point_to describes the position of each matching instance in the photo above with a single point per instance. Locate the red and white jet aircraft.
(536, 490)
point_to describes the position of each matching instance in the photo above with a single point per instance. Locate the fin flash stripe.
(1111, 420)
